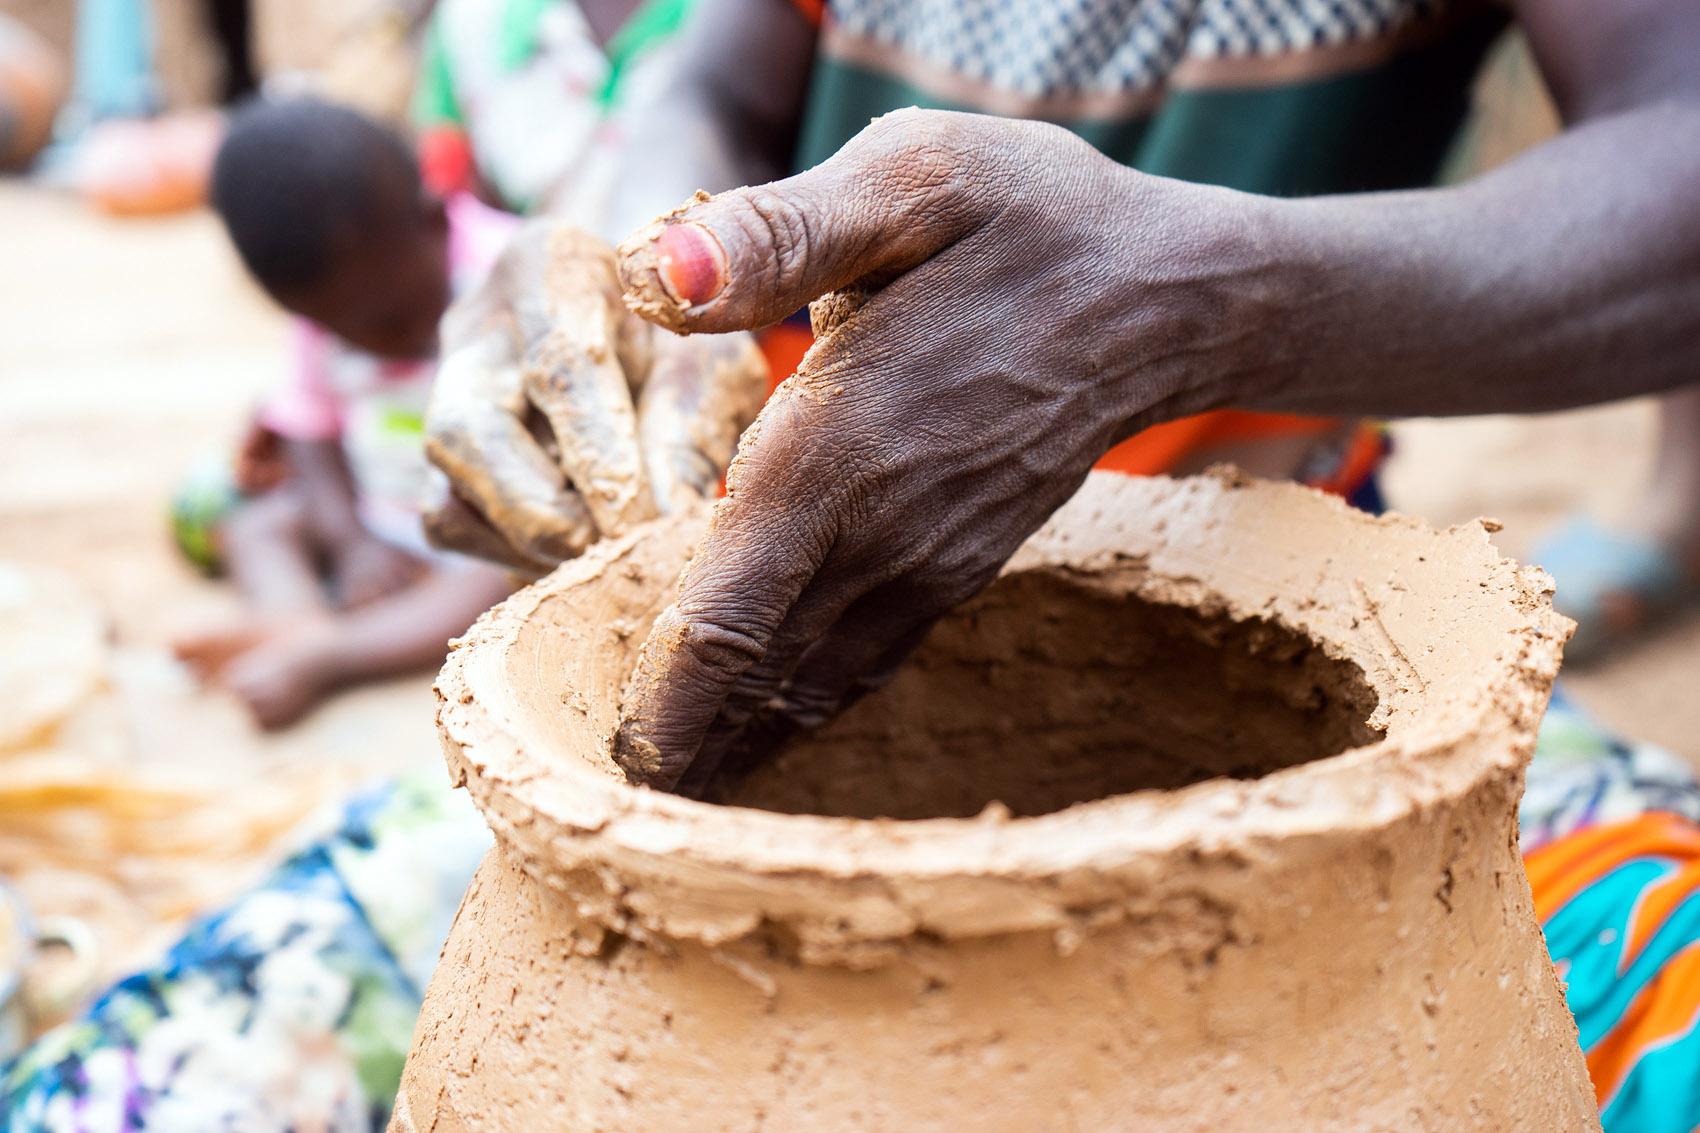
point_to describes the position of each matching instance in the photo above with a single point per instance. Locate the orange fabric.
(1657, 903)
(813, 10)
(1362, 459)
(1664, 1010)
(783, 345)
(1161, 448)
(1561, 869)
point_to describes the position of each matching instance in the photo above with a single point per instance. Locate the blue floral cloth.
(290, 1010)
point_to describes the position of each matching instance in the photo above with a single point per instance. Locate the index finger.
(766, 541)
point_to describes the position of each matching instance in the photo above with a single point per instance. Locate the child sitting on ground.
(321, 530)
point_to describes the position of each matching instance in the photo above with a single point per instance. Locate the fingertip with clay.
(690, 263)
(671, 267)
(641, 760)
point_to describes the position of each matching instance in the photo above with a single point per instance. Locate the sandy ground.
(129, 350)
(1529, 473)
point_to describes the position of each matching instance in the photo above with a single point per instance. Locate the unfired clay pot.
(1201, 818)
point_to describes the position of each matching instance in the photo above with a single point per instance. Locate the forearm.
(410, 629)
(327, 489)
(1567, 277)
(729, 115)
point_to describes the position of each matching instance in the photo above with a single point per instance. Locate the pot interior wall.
(1054, 688)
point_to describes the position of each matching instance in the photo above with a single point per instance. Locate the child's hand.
(364, 568)
(282, 678)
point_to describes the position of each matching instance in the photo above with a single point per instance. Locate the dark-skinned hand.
(1002, 304)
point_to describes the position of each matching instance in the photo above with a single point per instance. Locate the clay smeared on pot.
(1052, 689)
(1250, 928)
(1055, 686)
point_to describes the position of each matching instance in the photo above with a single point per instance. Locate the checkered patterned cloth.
(1041, 48)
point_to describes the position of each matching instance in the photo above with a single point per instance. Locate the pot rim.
(574, 816)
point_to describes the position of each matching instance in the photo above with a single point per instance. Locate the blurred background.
(132, 344)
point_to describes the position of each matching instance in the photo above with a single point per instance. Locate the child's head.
(327, 211)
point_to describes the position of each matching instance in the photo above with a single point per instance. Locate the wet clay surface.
(1056, 688)
(1303, 940)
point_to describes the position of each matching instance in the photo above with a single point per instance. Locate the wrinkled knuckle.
(724, 643)
(910, 126)
(923, 147)
(777, 223)
(924, 165)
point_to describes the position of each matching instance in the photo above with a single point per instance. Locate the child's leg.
(287, 673)
(271, 556)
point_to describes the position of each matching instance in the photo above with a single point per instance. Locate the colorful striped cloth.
(1611, 840)
(1620, 905)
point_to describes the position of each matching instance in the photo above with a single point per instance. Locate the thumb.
(898, 193)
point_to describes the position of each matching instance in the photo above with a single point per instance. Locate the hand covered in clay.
(559, 417)
(1001, 304)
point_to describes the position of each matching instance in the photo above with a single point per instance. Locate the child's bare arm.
(327, 487)
(362, 567)
(403, 632)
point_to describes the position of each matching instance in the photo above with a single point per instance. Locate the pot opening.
(1050, 690)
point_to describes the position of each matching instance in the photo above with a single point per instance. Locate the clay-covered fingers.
(573, 347)
(476, 434)
(699, 394)
(453, 524)
(532, 416)
(900, 191)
